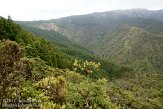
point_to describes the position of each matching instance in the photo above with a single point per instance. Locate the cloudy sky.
(50, 9)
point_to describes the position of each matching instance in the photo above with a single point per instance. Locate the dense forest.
(37, 72)
(132, 37)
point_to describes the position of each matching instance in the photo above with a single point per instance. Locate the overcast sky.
(50, 9)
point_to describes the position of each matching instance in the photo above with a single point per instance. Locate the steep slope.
(130, 37)
(76, 51)
(134, 46)
(125, 45)
(33, 46)
(33, 73)
(55, 37)
(59, 54)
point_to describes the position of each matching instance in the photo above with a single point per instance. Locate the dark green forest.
(48, 71)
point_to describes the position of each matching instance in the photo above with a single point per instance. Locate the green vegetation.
(50, 75)
(139, 91)
(128, 37)
(79, 52)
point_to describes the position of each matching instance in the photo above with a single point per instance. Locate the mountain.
(130, 37)
(59, 74)
(58, 52)
(36, 73)
(73, 50)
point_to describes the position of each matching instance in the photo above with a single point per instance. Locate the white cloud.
(49, 9)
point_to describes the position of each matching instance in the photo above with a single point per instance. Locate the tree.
(10, 66)
(8, 29)
(87, 67)
(93, 93)
(55, 88)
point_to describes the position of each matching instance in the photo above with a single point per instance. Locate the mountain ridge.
(105, 34)
(60, 74)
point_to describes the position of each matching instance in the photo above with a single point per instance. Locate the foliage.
(107, 70)
(119, 36)
(8, 29)
(54, 88)
(138, 91)
(9, 66)
(32, 69)
(87, 67)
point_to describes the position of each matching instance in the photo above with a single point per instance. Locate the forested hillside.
(77, 51)
(38, 72)
(129, 37)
